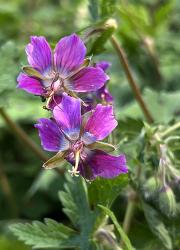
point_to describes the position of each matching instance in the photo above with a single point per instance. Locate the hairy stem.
(21, 134)
(171, 129)
(129, 211)
(131, 80)
(131, 206)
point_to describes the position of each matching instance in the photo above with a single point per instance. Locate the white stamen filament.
(74, 171)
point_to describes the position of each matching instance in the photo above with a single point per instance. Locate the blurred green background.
(149, 32)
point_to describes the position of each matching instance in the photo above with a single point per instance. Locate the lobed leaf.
(45, 235)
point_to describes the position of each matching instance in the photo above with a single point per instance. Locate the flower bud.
(151, 186)
(167, 201)
(111, 23)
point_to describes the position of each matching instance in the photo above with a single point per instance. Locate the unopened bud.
(111, 23)
(149, 42)
(151, 186)
(167, 201)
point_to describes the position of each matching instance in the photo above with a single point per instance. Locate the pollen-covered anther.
(74, 172)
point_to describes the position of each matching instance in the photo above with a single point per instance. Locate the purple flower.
(64, 70)
(103, 93)
(77, 139)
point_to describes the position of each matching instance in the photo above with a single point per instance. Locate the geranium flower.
(103, 95)
(64, 70)
(77, 139)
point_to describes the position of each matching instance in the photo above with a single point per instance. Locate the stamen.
(49, 99)
(74, 171)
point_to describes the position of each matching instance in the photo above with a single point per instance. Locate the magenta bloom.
(76, 138)
(63, 70)
(103, 93)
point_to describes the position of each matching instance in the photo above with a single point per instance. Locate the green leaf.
(130, 127)
(105, 191)
(77, 208)
(56, 235)
(45, 235)
(108, 7)
(123, 235)
(157, 226)
(137, 18)
(163, 103)
(93, 9)
(8, 70)
(161, 15)
(96, 36)
(11, 244)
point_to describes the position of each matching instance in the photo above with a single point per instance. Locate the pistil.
(74, 171)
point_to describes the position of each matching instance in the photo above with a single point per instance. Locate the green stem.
(131, 80)
(131, 206)
(129, 212)
(171, 129)
(6, 187)
(21, 134)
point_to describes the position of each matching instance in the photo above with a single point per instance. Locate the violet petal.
(39, 54)
(69, 54)
(30, 84)
(51, 137)
(101, 122)
(104, 65)
(107, 166)
(87, 79)
(68, 116)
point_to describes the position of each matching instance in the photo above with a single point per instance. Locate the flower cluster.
(77, 126)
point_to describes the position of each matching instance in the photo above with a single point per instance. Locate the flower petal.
(55, 101)
(68, 116)
(39, 54)
(88, 138)
(87, 79)
(101, 122)
(107, 166)
(104, 65)
(104, 94)
(30, 84)
(69, 54)
(52, 138)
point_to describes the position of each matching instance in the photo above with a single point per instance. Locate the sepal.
(30, 71)
(106, 147)
(56, 161)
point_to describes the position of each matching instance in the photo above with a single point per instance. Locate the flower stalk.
(24, 138)
(170, 130)
(123, 58)
(6, 188)
(131, 206)
(19, 132)
(129, 211)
